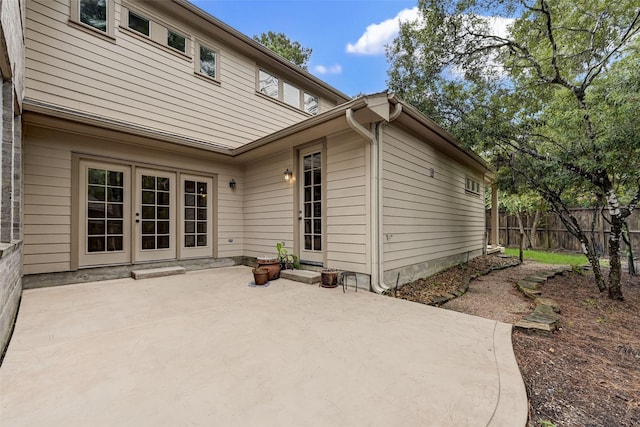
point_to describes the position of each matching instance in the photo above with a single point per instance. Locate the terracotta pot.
(329, 278)
(272, 264)
(260, 276)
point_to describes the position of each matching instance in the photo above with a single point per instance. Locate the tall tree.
(285, 47)
(546, 89)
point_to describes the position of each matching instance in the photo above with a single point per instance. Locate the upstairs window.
(286, 92)
(208, 62)
(94, 14)
(291, 95)
(268, 84)
(139, 24)
(176, 41)
(311, 104)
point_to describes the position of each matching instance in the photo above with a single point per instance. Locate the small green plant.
(590, 302)
(545, 423)
(288, 259)
(601, 320)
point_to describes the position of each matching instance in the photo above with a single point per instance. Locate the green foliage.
(546, 91)
(285, 257)
(549, 257)
(285, 47)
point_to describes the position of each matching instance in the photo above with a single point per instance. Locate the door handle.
(300, 215)
(137, 219)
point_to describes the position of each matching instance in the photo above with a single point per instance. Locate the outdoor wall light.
(288, 175)
(232, 184)
(432, 172)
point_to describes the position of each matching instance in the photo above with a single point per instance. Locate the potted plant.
(329, 278)
(272, 264)
(287, 260)
(260, 276)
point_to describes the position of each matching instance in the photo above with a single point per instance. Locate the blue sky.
(347, 36)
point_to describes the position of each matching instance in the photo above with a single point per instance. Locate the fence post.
(521, 247)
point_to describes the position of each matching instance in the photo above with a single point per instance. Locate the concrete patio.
(204, 348)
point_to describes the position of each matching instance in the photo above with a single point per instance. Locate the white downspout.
(376, 207)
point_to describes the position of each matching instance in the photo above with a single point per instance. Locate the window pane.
(189, 241)
(202, 240)
(189, 200)
(96, 193)
(138, 23)
(207, 62)
(310, 104)
(97, 176)
(116, 179)
(163, 227)
(114, 243)
(163, 242)
(202, 227)
(307, 242)
(189, 227)
(291, 95)
(268, 84)
(148, 197)
(163, 213)
(202, 201)
(148, 242)
(115, 194)
(163, 184)
(94, 13)
(95, 244)
(95, 210)
(317, 243)
(163, 199)
(114, 210)
(176, 41)
(190, 213)
(202, 214)
(95, 227)
(189, 186)
(148, 182)
(114, 227)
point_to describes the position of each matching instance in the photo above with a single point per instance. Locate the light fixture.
(288, 175)
(432, 172)
(232, 184)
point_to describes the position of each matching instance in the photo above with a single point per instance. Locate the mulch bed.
(436, 289)
(588, 372)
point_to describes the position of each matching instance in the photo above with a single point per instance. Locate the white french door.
(196, 216)
(155, 215)
(104, 203)
(311, 206)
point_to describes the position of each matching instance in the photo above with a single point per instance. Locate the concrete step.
(157, 272)
(305, 276)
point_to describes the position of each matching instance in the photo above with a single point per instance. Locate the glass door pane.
(311, 210)
(155, 215)
(197, 218)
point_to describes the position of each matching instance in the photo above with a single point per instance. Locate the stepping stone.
(524, 324)
(157, 272)
(526, 284)
(547, 312)
(536, 279)
(304, 276)
(531, 293)
(548, 301)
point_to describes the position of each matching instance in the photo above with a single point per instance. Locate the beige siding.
(136, 81)
(268, 205)
(425, 218)
(347, 203)
(48, 193)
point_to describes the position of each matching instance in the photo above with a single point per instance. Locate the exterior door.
(311, 206)
(155, 215)
(104, 220)
(196, 216)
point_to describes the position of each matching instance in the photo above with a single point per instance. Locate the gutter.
(376, 208)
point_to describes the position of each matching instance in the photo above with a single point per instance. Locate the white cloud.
(333, 69)
(377, 36)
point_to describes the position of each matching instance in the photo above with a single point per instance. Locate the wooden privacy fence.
(552, 235)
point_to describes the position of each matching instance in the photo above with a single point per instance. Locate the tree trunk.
(627, 240)
(615, 292)
(617, 221)
(520, 224)
(534, 229)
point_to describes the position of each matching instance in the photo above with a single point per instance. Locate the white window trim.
(196, 61)
(280, 97)
(130, 12)
(74, 19)
(472, 186)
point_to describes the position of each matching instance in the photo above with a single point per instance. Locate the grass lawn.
(549, 257)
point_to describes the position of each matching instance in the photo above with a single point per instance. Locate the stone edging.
(545, 316)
